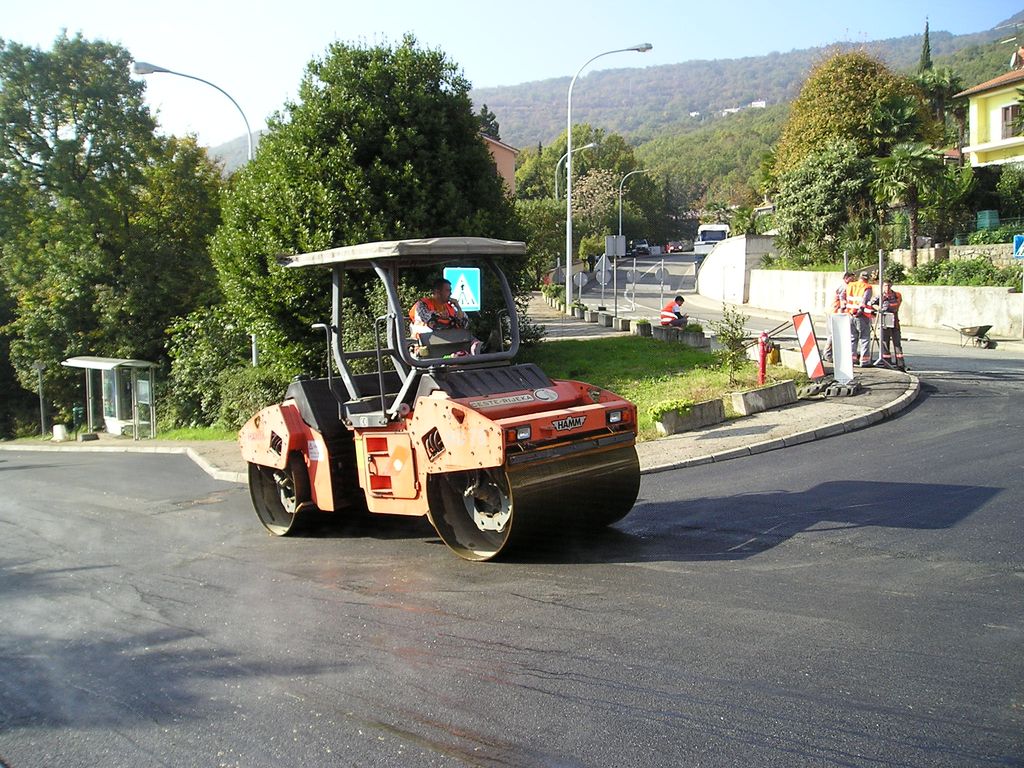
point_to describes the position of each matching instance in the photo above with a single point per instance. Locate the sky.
(257, 51)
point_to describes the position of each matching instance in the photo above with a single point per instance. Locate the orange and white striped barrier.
(808, 345)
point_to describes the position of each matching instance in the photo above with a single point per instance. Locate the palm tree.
(939, 86)
(902, 177)
(896, 119)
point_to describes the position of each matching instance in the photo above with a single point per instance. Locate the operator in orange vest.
(891, 336)
(672, 313)
(437, 312)
(858, 307)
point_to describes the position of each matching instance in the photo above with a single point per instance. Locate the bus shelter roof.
(105, 363)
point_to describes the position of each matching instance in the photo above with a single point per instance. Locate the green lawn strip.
(645, 371)
(199, 433)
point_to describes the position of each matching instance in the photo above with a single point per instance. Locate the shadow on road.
(96, 681)
(739, 526)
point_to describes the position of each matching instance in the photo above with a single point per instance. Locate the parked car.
(641, 248)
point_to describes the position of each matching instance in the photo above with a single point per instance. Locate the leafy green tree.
(1010, 189)
(947, 202)
(846, 97)
(598, 168)
(489, 123)
(382, 143)
(901, 179)
(103, 227)
(201, 347)
(543, 225)
(818, 198)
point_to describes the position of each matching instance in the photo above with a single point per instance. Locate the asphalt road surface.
(850, 602)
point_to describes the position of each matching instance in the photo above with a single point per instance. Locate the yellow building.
(995, 130)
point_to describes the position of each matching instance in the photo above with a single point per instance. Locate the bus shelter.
(127, 401)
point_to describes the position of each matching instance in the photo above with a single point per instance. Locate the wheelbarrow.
(974, 334)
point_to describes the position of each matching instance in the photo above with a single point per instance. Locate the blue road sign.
(465, 286)
(1018, 246)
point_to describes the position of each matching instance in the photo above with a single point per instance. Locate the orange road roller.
(494, 453)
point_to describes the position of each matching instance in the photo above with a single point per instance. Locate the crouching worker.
(439, 314)
(672, 314)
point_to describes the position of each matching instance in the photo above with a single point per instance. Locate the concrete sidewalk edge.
(830, 430)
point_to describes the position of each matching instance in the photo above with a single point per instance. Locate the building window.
(1011, 121)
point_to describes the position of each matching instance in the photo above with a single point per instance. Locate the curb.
(831, 430)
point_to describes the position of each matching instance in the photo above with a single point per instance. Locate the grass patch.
(199, 433)
(645, 371)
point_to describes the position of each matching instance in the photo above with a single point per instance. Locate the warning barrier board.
(808, 345)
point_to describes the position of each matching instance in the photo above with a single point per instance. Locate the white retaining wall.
(926, 306)
(723, 275)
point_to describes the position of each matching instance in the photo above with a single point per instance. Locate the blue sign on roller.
(465, 286)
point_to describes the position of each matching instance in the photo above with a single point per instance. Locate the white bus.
(708, 236)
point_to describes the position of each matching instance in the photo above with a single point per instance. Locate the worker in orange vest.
(891, 336)
(672, 313)
(838, 299)
(859, 308)
(437, 312)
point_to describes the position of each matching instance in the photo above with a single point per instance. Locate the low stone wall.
(763, 398)
(1000, 254)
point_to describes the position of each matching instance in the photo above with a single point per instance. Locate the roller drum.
(482, 514)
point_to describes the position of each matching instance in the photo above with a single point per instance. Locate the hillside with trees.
(640, 103)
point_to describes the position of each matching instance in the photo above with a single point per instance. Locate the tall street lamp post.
(640, 48)
(145, 68)
(562, 160)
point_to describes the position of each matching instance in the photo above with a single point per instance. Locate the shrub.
(243, 391)
(894, 272)
(732, 336)
(976, 272)
(681, 406)
(693, 328)
(201, 346)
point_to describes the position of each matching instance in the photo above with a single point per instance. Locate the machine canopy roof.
(105, 363)
(428, 250)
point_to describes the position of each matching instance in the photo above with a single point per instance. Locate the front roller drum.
(480, 514)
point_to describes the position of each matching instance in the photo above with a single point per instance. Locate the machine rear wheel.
(281, 498)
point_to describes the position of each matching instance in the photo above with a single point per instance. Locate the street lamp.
(562, 158)
(145, 68)
(639, 48)
(642, 170)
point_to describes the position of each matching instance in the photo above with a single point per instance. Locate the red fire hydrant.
(763, 345)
